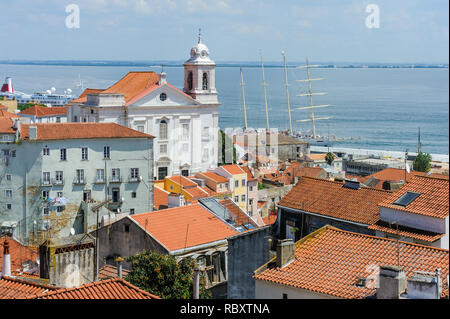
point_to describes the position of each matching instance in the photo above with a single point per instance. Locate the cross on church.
(199, 35)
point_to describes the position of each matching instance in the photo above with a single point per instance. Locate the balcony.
(46, 182)
(115, 179)
(79, 180)
(133, 179)
(57, 182)
(99, 180)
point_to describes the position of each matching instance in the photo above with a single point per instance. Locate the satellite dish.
(37, 260)
(72, 231)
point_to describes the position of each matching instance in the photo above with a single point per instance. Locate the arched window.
(163, 130)
(189, 80)
(205, 81)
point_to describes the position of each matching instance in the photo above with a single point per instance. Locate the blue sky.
(235, 30)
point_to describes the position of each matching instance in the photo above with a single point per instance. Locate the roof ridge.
(340, 183)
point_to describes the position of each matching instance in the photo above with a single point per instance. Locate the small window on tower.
(189, 81)
(205, 81)
(163, 97)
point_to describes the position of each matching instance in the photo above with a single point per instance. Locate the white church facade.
(185, 122)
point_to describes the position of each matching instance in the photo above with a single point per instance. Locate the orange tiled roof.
(110, 271)
(240, 217)
(389, 174)
(209, 191)
(270, 219)
(67, 131)
(181, 180)
(42, 111)
(250, 176)
(213, 176)
(83, 96)
(433, 200)
(5, 113)
(332, 199)
(169, 226)
(406, 232)
(196, 192)
(330, 260)
(133, 84)
(161, 198)
(116, 288)
(19, 254)
(233, 169)
(317, 157)
(261, 203)
(13, 288)
(6, 124)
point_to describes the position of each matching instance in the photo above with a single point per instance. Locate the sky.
(409, 31)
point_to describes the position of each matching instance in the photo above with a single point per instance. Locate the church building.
(184, 122)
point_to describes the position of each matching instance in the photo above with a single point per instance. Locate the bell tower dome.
(199, 74)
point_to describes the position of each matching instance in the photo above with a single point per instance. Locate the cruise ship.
(48, 98)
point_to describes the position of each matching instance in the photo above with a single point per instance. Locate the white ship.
(48, 98)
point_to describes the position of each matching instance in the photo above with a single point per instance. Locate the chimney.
(162, 78)
(392, 282)
(119, 266)
(423, 285)
(6, 267)
(285, 252)
(33, 132)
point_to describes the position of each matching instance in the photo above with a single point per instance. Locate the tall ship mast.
(287, 93)
(243, 100)
(310, 94)
(265, 95)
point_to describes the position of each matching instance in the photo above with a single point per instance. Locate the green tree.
(224, 147)
(163, 276)
(422, 162)
(330, 158)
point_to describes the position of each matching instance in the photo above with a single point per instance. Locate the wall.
(246, 252)
(272, 195)
(268, 290)
(427, 223)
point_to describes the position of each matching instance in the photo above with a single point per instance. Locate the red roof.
(83, 96)
(116, 288)
(233, 169)
(19, 254)
(213, 177)
(433, 199)
(238, 215)
(6, 124)
(13, 288)
(270, 219)
(250, 176)
(68, 131)
(404, 231)
(184, 227)
(329, 261)
(181, 180)
(161, 198)
(5, 113)
(42, 111)
(332, 199)
(109, 272)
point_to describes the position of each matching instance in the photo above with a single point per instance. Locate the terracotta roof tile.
(238, 215)
(19, 254)
(332, 199)
(329, 261)
(169, 226)
(250, 176)
(6, 124)
(270, 219)
(213, 177)
(233, 169)
(181, 180)
(433, 200)
(161, 198)
(83, 96)
(66, 131)
(116, 288)
(406, 232)
(5, 113)
(110, 271)
(13, 288)
(42, 111)
(388, 174)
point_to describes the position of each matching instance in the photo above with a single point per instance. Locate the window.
(13, 153)
(285, 296)
(84, 153)
(250, 188)
(243, 182)
(46, 178)
(236, 183)
(86, 195)
(58, 177)
(163, 130)
(236, 199)
(189, 81)
(131, 211)
(205, 81)
(243, 198)
(205, 132)
(59, 194)
(133, 194)
(163, 149)
(8, 206)
(106, 152)
(80, 175)
(63, 154)
(185, 147)
(407, 198)
(163, 97)
(115, 174)
(134, 174)
(8, 193)
(250, 201)
(185, 132)
(60, 209)
(8, 177)
(100, 175)
(58, 120)
(126, 228)
(75, 118)
(185, 172)
(45, 195)
(140, 128)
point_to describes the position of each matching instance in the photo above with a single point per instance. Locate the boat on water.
(49, 98)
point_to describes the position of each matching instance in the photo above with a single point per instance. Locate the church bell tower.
(199, 75)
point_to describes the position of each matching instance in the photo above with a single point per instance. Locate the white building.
(185, 123)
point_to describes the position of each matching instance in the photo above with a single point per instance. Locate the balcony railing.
(133, 179)
(99, 180)
(79, 180)
(115, 179)
(59, 181)
(46, 182)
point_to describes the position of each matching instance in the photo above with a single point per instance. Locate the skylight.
(407, 198)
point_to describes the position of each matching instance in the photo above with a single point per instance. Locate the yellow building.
(10, 104)
(184, 186)
(237, 181)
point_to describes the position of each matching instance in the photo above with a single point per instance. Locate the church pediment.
(163, 96)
